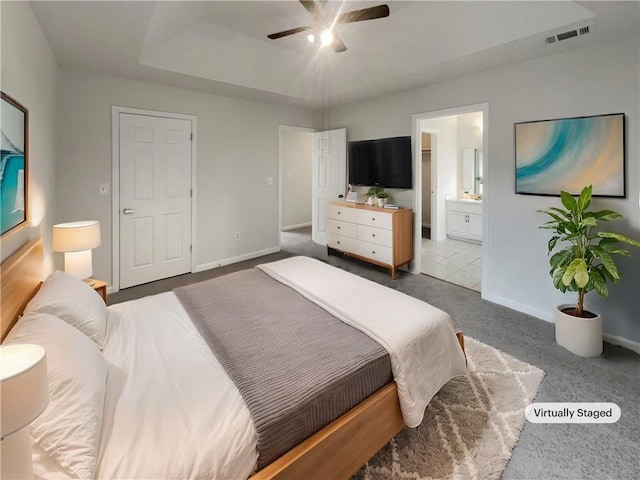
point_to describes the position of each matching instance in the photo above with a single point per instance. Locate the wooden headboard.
(19, 281)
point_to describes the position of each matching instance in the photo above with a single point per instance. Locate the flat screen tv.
(385, 162)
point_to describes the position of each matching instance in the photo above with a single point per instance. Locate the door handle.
(128, 211)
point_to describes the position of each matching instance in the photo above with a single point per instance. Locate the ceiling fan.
(323, 25)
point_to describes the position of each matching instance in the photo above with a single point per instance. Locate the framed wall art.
(571, 153)
(14, 148)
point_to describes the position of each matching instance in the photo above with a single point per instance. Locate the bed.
(335, 451)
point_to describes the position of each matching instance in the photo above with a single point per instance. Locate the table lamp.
(75, 240)
(25, 394)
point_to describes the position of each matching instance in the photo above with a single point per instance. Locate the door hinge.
(192, 136)
(191, 192)
(190, 248)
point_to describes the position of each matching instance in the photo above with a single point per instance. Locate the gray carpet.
(545, 451)
(470, 427)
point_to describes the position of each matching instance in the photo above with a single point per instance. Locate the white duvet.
(419, 337)
(172, 412)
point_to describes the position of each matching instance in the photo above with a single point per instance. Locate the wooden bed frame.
(335, 452)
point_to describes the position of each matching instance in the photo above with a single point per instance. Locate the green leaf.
(619, 238)
(598, 283)
(562, 212)
(607, 263)
(556, 218)
(605, 215)
(561, 259)
(552, 243)
(568, 201)
(577, 270)
(585, 198)
(612, 248)
(607, 275)
(557, 275)
(588, 222)
(569, 227)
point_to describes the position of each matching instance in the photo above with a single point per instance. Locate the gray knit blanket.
(297, 367)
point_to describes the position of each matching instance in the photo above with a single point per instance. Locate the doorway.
(449, 132)
(295, 177)
(153, 199)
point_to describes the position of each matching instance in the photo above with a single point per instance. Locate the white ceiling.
(222, 46)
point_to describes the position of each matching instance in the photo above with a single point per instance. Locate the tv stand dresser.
(381, 236)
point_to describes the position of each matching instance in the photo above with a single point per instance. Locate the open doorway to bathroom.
(450, 198)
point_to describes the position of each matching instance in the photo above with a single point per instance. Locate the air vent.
(565, 35)
(568, 34)
(584, 30)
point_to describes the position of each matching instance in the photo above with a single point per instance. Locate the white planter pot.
(381, 201)
(371, 201)
(581, 336)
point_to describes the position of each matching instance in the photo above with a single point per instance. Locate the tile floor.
(454, 261)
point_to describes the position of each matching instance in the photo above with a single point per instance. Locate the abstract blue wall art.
(13, 164)
(571, 153)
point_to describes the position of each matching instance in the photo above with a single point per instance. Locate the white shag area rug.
(470, 427)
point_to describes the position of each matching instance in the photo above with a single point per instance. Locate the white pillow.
(73, 301)
(69, 428)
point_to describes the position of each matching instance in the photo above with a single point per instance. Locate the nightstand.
(100, 287)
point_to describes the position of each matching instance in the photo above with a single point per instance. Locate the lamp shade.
(76, 236)
(23, 385)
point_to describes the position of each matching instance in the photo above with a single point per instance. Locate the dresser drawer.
(338, 212)
(341, 228)
(379, 236)
(375, 219)
(375, 252)
(340, 242)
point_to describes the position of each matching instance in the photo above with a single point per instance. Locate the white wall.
(297, 161)
(30, 75)
(237, 153)
(585, 81)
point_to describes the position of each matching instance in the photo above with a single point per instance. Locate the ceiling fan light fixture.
(326, 37)
(311, 37)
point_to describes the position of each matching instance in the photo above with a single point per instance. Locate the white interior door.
(329, 177)
(155, 198)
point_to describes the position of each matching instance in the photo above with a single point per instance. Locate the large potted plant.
(583, 263)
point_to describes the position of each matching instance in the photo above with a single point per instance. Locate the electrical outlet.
(237, 235)
(103, 189)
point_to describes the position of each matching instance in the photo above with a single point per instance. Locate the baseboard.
(293, 227)
(240, 258)
(622, 342)
(520, 307)
(549, 317)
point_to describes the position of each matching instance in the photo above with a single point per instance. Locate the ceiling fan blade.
(370, 13)
(311, 7)
(274, 36)
(337, 44)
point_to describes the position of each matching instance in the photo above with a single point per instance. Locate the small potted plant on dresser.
(372, 194)
(382, 196)
(584, 264)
